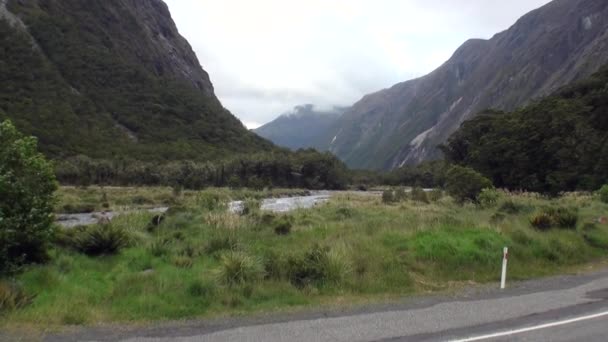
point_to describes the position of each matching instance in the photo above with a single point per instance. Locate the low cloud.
(267, 56)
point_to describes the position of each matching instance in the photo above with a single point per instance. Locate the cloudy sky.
(267, 56)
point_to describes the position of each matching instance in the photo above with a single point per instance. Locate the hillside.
(300, 128)
(557, 144)
(564, 41)
(111, 78)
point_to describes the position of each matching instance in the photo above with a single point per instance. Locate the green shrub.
(101, 240)
(12, 296)
(465, 184)
(488, 197)
(388, 197)
(318, 266)
(251, 207)
(603, 193)
(282, 227)
(419, 195)
(435, 195)
(400, 194)
(510, 207)
(27, 183)
(552, 217)
(239, 268)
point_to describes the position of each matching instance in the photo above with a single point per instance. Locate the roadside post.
(505, 258)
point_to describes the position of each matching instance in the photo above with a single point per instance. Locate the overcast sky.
(267, 56)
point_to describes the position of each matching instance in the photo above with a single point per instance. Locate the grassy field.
(202, 261)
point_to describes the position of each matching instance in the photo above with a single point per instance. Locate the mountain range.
(559, 43)
(300, 128)
(109, 79)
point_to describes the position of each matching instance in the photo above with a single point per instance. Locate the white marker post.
(505, 258)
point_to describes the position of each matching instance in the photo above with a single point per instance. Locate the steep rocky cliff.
(111, 78)
(564, 41)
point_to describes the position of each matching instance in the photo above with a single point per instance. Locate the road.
(566, 308)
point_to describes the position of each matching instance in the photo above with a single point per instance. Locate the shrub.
(555, 218)
(101, 240)
(12, 296)
(251, 207)
(239, 268)
(400, 195)
(510, 207)
(317, 266)
(435, 195)
(419, 195)
(282, 227)
(488, 197)
(465, 184)
(388, 196)
(603, 192)
(27, 183)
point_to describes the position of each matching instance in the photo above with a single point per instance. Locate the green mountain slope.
(111, 78)
(557, 144)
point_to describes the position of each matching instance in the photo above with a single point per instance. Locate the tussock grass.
(202, 261)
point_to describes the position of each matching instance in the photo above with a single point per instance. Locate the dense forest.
(559, 143)
(304, 169)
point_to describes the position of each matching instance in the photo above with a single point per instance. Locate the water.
(283, 205)
(87, 219)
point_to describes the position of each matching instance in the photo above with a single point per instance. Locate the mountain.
(300, 128)
(564, 41)
(553, 145)
(108, 79)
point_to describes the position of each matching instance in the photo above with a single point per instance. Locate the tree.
(27, 183)
(464, 183)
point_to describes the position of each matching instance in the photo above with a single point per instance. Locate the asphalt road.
(567, 308)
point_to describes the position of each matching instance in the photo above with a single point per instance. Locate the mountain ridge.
(561, 42)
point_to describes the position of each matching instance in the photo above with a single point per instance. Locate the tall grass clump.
(101, 240)
(239, 268)
(419, 195)
(555, 217)
(318, 266)
(488, 197)
(603, 193)
(221, 243)
(12, 296)
(251, 207)
(388, 197)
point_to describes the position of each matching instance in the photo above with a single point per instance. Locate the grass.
(204, 262)
(94, 198)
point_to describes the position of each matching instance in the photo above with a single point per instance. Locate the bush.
(388, 197)
(603, 192)
(400, 195)
(27, 183)
(318, 266)
(560, 217)
(488, 197)
(12, 296)
(419, 195)
(238, 268)
(465, 184)
(101, 240)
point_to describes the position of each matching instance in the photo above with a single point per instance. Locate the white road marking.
(537, 327)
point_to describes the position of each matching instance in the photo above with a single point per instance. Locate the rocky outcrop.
(564, 41)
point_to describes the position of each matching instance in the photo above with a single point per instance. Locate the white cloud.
(266, 56)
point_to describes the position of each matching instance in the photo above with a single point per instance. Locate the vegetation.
(203, 261)
(603, 193)
(465, 184)
(557, 144)
(27, 184)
